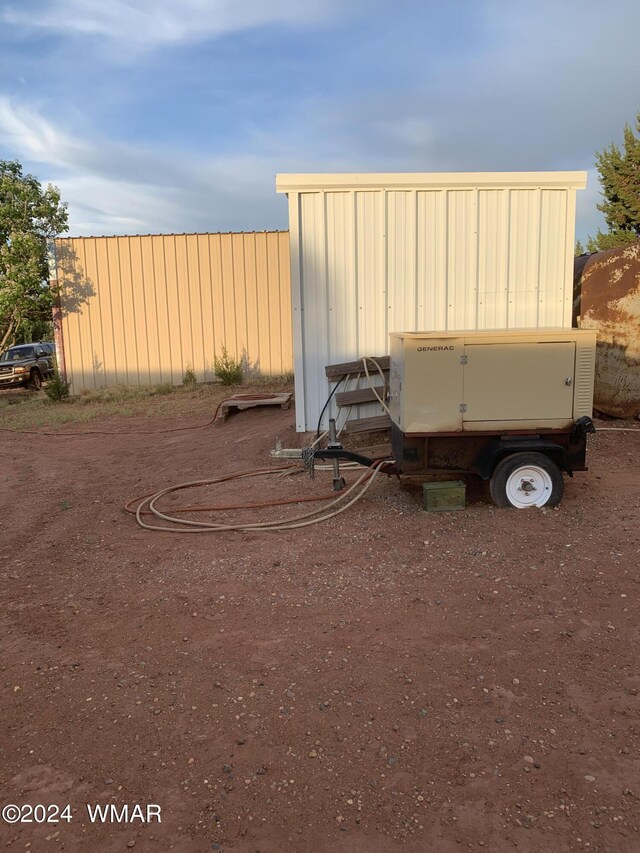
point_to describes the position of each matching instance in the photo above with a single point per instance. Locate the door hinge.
(464, 359)
(463, 407)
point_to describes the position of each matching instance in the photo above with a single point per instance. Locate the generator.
(513, 407)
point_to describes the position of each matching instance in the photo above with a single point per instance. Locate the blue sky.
(159, 116)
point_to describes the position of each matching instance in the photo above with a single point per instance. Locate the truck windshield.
(16, 353)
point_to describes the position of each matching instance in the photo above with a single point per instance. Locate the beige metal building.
(140, 310)
(378, 253)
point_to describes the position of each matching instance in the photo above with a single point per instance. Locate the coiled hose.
(148, 504)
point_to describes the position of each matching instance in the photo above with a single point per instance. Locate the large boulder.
(607, 299)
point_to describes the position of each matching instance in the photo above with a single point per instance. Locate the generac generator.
(512, 407)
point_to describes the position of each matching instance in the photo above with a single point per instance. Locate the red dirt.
(390, 680)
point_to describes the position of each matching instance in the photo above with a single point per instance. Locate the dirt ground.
(390, 680)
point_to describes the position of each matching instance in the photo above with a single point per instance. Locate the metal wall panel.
(493, 259)
(370, 252)
(374, 254)
(139, 310)
(432, 294)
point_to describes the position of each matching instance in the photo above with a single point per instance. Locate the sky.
(173, 116)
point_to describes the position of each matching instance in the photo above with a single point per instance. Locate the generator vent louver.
(583, 397)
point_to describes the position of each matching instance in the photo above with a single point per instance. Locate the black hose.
(324, 408)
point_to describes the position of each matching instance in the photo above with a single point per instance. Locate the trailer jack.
(334, 451)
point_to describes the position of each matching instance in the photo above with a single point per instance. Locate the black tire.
(536, 470)
(35, 380)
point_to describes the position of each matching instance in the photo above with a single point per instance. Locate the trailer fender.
(497, 449)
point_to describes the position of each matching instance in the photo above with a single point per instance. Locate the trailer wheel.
(522, 480)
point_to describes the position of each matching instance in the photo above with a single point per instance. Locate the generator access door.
(431, 392)
(512, 386)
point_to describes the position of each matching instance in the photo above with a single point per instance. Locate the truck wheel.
(522, 480)
(35, 380)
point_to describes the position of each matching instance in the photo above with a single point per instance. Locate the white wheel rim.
(529, 486)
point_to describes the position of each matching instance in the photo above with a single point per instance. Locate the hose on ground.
(130, 505)
(181, 525)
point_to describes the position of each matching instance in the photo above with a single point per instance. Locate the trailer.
(513, 408)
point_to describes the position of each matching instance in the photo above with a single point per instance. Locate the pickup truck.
(27, 365)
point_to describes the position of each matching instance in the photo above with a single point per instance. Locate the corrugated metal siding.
(373, 255)
(139, 310)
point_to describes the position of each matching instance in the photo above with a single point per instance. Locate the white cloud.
(117, 188)
(37, 138)
(100, 206)
(152, 23)
(541, 86)
(544, 87)
(26, 131)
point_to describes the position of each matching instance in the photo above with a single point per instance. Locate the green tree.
(29, 217)
(620, 179)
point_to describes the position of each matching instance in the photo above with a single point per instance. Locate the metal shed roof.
(429, 180)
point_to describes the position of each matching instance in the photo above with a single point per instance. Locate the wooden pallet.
(337, 371)
(240, 402)
(368, 424)
(362, 395)
(376, 451)
(344, 399)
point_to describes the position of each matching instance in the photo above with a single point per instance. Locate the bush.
(227, 369)
(163, 389)
(250, 369)
(189, 378)
(56, 388)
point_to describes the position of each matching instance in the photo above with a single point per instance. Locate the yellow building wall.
(140, 310)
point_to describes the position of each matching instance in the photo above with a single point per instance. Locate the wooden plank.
(362, 395)
(337, 371)
(367, 424)
(376, 451)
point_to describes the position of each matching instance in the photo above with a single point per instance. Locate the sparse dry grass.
(27, 410)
